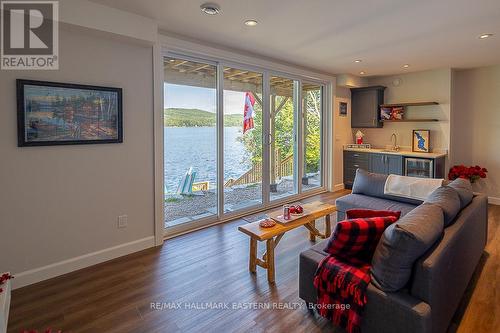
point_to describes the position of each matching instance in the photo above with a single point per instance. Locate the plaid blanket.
(343, 276)
(342, 292)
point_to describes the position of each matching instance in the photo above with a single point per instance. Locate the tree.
(284, 134)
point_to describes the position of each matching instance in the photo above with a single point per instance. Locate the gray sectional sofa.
(437, 278)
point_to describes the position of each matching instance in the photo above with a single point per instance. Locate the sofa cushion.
(366, 213)
(373, 184)
(403, 243)
(356, 239)
(464, 190)
(360, 201)
(449, 201)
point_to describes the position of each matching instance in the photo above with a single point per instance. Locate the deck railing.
(254, 175)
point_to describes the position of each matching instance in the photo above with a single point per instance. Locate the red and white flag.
(249, 112)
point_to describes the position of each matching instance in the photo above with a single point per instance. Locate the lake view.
(196, 147)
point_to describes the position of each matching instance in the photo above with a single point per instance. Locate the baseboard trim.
(69, 265)
(494, 200)
(338, 187)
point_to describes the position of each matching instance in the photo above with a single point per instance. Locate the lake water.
(196, 147)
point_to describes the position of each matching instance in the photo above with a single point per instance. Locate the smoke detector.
(210, 8)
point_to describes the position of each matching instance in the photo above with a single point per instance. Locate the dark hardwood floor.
(207, 267)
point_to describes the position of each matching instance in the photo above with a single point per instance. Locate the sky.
(187, 97)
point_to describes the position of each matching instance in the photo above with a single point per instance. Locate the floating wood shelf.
(409, 104)
(409, 120)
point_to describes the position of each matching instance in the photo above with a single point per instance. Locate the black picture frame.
(25, 141)
(343, 109)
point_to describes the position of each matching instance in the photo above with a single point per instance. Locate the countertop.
(401, 152)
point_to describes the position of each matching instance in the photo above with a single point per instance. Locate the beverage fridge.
(419, 167)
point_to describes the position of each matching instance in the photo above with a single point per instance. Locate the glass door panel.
(312, 110)
(283, 138)
(190, 147)
(242, 139)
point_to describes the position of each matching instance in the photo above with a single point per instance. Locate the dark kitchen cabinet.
(386, 164)
(365, 106)
(353, 161)
(378, 163)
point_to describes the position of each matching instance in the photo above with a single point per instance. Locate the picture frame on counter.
(421, 141)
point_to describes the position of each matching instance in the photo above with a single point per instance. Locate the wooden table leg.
(253, 255)
(328, 226)
(312, 236)
(270, 260)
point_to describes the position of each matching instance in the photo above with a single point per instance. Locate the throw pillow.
(449, 201)
(372, 184)
(403, 243)
(355, 240)
(365, 213)
(464, 190)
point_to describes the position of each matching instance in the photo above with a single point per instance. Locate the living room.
(153, 139)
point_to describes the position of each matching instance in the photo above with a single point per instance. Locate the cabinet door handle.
(356, 155)
(356, 165)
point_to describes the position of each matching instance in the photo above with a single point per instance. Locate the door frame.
(327, 83)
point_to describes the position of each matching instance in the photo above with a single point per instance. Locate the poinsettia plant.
(472, 173)
(3, 278)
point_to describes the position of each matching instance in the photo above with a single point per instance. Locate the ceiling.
(328, 35)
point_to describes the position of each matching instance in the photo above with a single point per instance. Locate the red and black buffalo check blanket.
(343, 276)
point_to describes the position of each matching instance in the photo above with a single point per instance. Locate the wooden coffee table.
(272, 236)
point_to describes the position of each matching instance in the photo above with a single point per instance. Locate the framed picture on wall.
(50, 113)
(343, 109)
(421, 141)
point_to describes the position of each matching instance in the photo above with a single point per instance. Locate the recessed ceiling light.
(358, 61)
(484, 36)
(406, 66)
(210, 8)
(362, 73)
(251, 23)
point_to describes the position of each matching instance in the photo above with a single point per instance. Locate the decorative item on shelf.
(421, 141)
(51, 113)
(356, 146)
(392, 113)
(472, 173)
(359, 137)
(343, 109)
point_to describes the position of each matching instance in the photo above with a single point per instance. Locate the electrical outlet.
(122, 221)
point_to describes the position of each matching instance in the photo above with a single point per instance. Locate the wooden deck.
(206, 266)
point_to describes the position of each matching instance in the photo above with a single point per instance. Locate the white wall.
(342, 132)
(58, 203)
(476, 124)
(432, 86)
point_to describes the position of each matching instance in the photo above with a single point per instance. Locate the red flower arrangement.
(4, 277)
(472, 173)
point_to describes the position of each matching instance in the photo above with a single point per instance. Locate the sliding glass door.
(236, 139)
(190, 145)
(312, 138)
(242, 139)
(283, 137)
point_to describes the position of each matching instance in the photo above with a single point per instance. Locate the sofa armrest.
(442, 275)
(384, 312)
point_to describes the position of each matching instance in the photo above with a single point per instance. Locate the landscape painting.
(60, 114)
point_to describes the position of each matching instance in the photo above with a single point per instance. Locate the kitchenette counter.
(399, 153)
